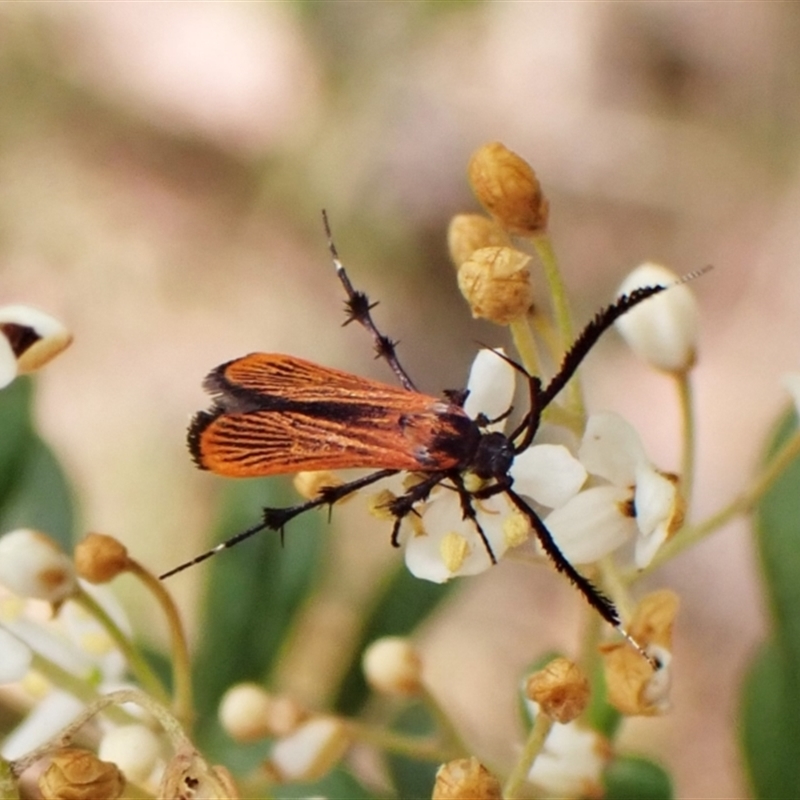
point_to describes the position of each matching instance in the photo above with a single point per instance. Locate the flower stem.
(401, 744)
(561, 311)
(136, 661)
(181, 665)
(688, 444)
(525, 345)
(533, 746)
(742, 504)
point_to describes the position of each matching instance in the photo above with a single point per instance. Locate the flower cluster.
(95, 718)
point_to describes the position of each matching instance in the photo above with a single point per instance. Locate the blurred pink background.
(162, 169)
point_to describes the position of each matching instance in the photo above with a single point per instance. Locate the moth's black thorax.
(494, 454)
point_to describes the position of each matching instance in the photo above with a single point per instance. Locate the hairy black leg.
(468, 511)
(594, 596)
(275, 518)
(358, 309)
(403, 505)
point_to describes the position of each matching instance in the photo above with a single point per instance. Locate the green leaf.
(769, 729)
(17, 432)
(254, 593)
(778, 541)
(401, 603)
(40, 497)
(34, 492)
(413, 778)
(636, 778)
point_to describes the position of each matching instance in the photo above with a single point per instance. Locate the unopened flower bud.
(32, 565)
(663, 329)
(392, 666)
(508, 189)
(310, 752)
(249, 713)
(470, 232)
(135, 749)
(189, 777)
(496, 283)
(310, 484)
(31, 338)
(100, 558)
(75, 774)
(465, 779)
(561, 690)
(634, 687)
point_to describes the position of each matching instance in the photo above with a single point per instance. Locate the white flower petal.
(43, 337)
(611, 448)
(490, 385)
(592, 524)
(571, 762)
(548, 474)
(648, 545)
(32, 565)
(791, 382)
(661, 330)
(15, 658)
(450, 545)
(44, 720)
(654, 499)
(8, 362)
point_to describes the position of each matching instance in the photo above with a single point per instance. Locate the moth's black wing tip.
(194, 436)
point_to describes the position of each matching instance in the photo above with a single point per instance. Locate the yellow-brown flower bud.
(496, 283)
(634, 687)
(465, 779)
(75, 774)
(100, 558)
(561, 690)
(470, 232)
(508, 189)
(188, 776)
(310, 484)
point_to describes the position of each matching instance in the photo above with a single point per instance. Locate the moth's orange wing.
(278, 414)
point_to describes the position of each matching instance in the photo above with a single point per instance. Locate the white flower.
(29, 338)
(638, 501)
(443, 544)
(310, 751)
(572, 761)
(661, 330)
(76, 643)
(32, 565)
(15, 658)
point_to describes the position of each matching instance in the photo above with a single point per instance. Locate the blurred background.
(162, 171)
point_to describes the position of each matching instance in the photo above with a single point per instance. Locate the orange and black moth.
(277, 414)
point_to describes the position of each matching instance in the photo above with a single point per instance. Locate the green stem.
(389, 741)
(452, 741)
(525, 345)
(561, 311)
(688, 444)
(533, 746)
(742, 504)
(139, 666)
(181, 665)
